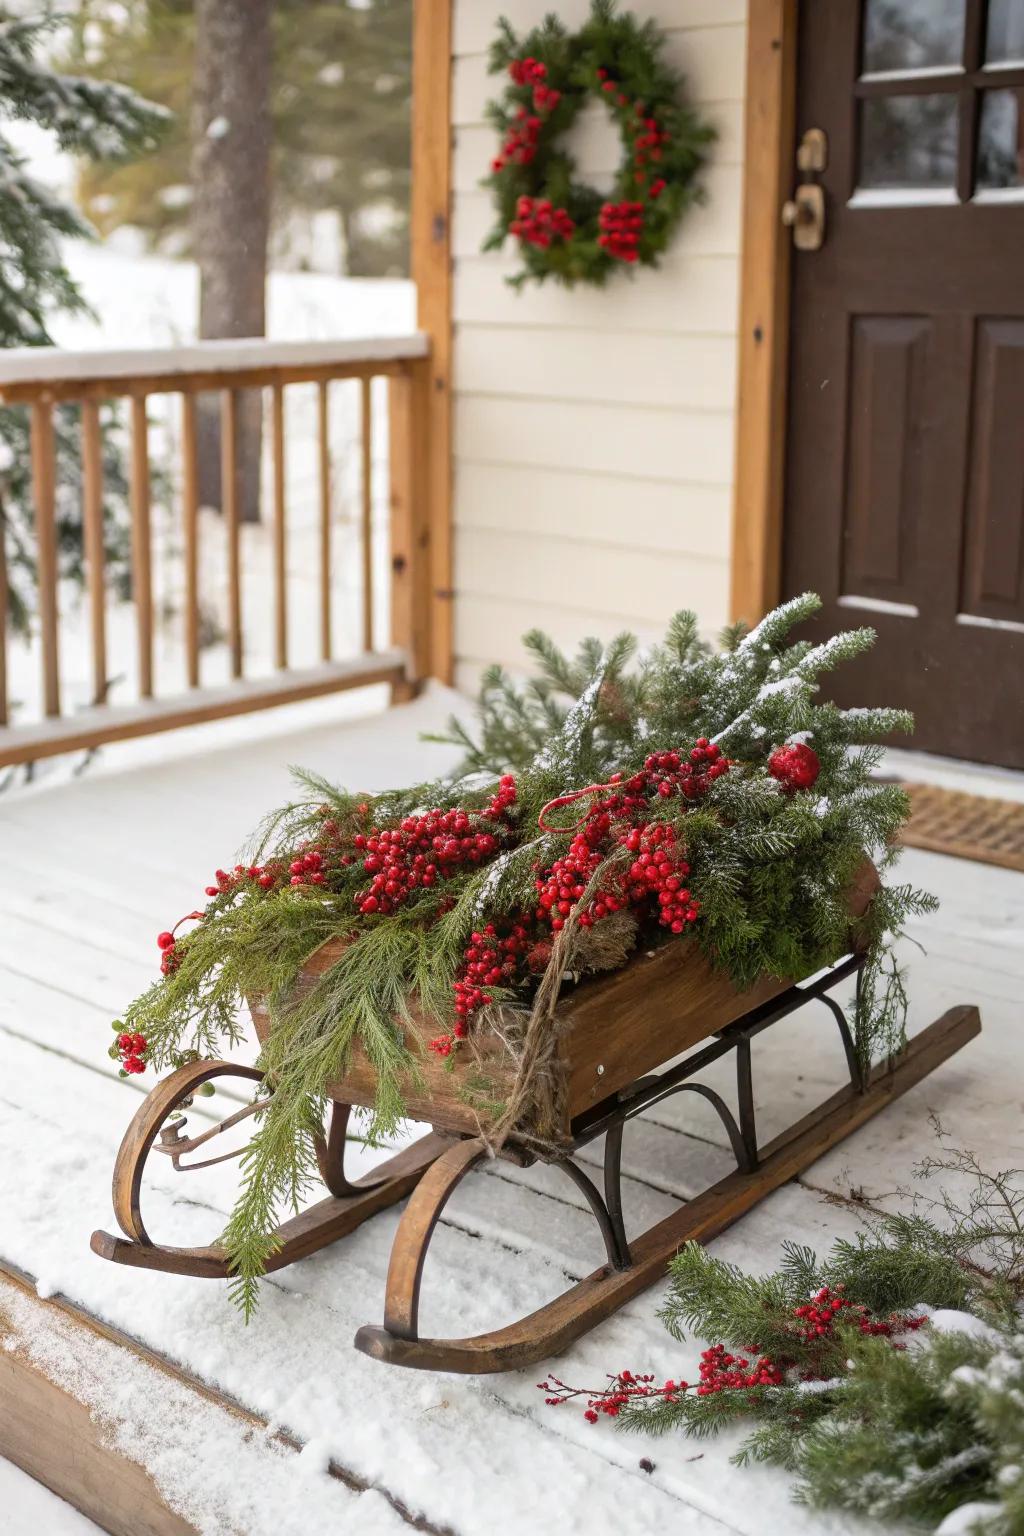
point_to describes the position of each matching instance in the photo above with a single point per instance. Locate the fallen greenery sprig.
(888, 1378)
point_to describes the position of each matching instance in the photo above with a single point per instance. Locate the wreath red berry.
(564, 228)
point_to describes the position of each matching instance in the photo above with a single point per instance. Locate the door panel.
(994, 542)
(905, 452)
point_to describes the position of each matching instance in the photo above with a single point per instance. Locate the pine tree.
(102, 122)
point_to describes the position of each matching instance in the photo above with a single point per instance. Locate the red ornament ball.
(795, 765)
(165, 940)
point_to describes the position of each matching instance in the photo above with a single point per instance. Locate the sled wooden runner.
(617, 1034)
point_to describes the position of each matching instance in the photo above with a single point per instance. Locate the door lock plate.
(804, 214)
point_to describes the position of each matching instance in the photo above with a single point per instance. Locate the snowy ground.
(32, 1510)
(93, 869)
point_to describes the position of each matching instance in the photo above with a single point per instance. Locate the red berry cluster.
(819, 1316)
(621, 225)
(677, 773)
(561, 887)
(545, 97)
(427, 848)
(130, 1049)
(170, 959)
(659, 871)
(490, 961)
(723, 1372)
(538, 223)
(528, 71)
(648, 145)
(795, 765)
(520, 146)
(649, 140)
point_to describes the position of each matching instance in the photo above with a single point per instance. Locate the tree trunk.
(231, 138)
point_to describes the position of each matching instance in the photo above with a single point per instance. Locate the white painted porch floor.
(91, 870)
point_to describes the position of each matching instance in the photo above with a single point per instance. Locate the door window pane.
(1005, 41)
(912, 34)
(1001, 140)
(908, 141)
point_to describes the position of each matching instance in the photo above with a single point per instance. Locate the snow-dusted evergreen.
(100, 121)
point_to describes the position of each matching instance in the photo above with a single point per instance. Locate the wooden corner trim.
(759, 484)
(431, 266)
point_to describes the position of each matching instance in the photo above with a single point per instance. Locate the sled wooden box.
(619, 1038)
(615, 1029)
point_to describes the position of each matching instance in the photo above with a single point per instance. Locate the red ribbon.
(592, 789)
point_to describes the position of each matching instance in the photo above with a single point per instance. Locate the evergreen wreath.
(566, 229)
(613, 800)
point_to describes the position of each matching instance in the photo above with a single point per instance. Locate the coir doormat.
(965, 826)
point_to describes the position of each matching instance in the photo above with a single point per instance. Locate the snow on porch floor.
(91, 870)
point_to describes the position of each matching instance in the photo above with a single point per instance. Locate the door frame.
(431, 271)
(764, 314)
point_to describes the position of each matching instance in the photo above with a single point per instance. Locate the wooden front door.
(905, 449)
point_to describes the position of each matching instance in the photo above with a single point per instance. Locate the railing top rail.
(41, 366)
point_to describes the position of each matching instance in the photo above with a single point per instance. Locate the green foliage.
(100, 121)
(340, 106)
(619, 61)
(771, 870)
(892, 1428)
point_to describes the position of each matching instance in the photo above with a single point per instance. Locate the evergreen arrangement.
(566, 229)
(678, 794)
(888, 1377)
(103, 122)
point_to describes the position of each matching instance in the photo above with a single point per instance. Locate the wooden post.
(764, 309)
(142, 582)
(190, 520)
(280, 533)
(44, 495)
(324, 438)
(366, 425)
(92, 529)
(229, 508)
(431, 271)
(410, 531)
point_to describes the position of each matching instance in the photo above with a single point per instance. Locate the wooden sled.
(620, 1031)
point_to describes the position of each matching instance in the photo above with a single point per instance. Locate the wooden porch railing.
(43, 378)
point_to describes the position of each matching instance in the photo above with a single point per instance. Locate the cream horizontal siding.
(593, 430)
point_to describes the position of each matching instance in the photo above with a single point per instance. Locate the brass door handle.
(804, 214)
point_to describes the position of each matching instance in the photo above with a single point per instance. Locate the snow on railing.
(68, 442)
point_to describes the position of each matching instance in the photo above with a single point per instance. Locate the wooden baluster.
(325, 522)
(190, 519)
(44, 496)
(280, 534)
(410, 532)
(3, 619)
(367, 490)
(229, 507)
(92, 530)
(142, 574)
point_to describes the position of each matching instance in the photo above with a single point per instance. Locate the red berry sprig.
(722, 1371)
(520, 145)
